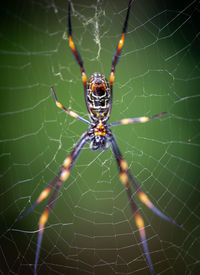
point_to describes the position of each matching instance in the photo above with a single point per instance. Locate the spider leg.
(43, 220)
(43, 195)
(126, 177)
(57, 183)
(144, 198)
(119, 47)
(140, 224)
(71, 113)
(136, 119)
(74, 49)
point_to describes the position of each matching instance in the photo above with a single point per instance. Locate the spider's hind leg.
(119, 47)
(75, 52)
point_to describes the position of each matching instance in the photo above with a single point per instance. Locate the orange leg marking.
(121, 42)
(43, 220)
(44, 194)
(123, 164)
(64, 175)
(67, 162)
(112, 77)
(84, 78)
(143, 197)
(124, 179)
(71, 44)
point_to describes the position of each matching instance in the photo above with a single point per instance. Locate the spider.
(98, 97)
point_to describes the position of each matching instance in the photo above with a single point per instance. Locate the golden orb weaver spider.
(98, 97)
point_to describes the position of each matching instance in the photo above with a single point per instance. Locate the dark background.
(91, 229)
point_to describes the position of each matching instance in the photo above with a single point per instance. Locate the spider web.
(91, 229)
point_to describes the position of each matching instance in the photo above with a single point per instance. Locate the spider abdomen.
(98, 97)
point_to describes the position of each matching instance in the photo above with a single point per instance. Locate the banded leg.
(119, 47)
(71, 113)
(140, 225)
(136, 119)
(143, 197)
(56, 184)
(126, 177)
(74, 50)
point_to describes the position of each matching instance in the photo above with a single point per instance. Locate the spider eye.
(99, 142)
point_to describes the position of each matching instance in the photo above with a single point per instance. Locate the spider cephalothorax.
(98, 97)
(99, 136)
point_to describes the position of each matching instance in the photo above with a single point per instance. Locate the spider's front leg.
(56, 185)
(126, 178)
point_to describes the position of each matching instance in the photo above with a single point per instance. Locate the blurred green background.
(91, 229)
